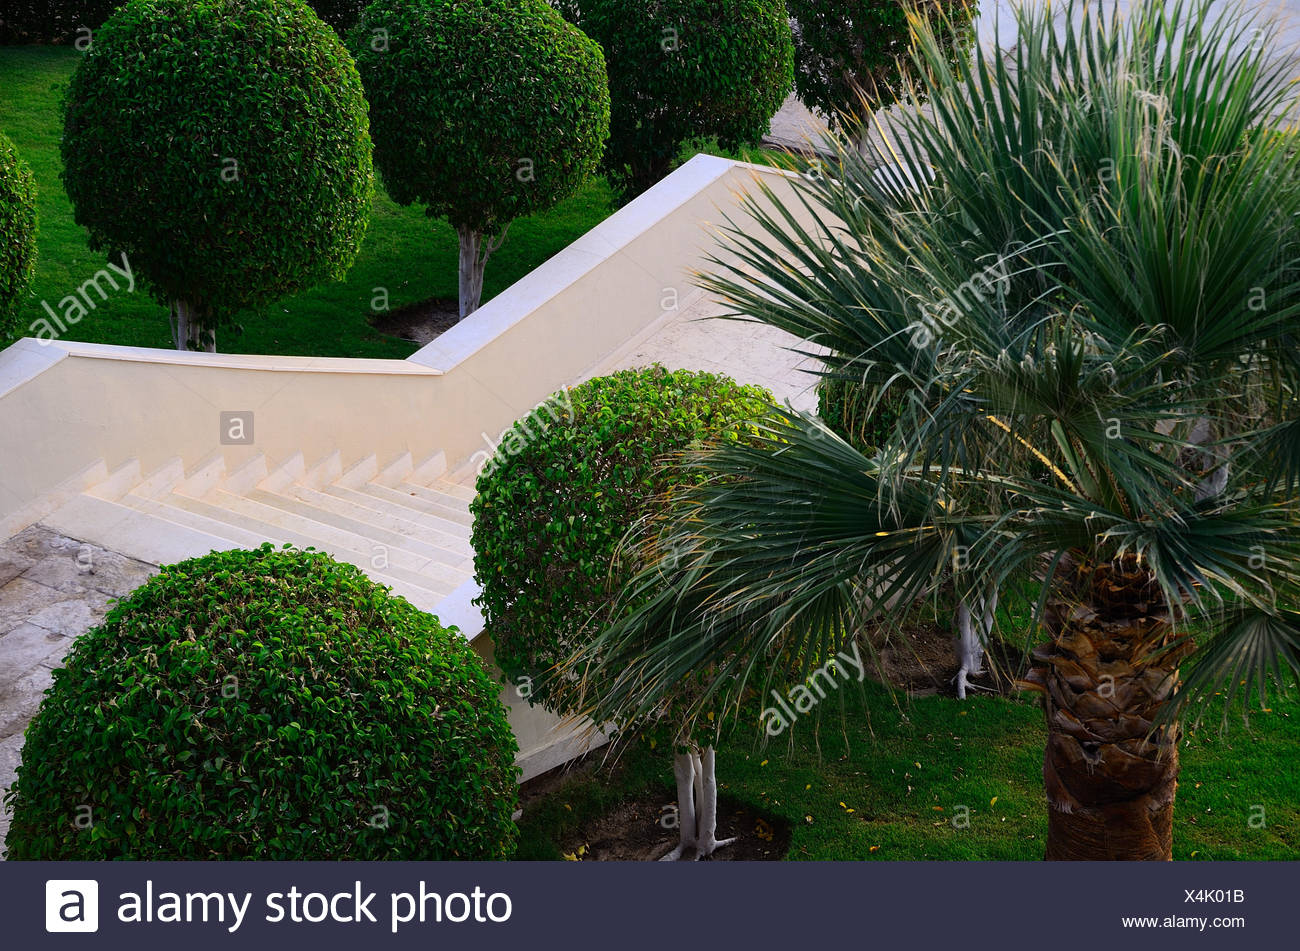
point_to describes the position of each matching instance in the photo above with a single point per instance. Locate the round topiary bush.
(482, 111)
(268, 704)
(567, 483)
(681, 69)
(17, 232)
(850, 50)
(223, 147)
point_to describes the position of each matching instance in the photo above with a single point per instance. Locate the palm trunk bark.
(1110, 776)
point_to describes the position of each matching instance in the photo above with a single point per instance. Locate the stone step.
(428, 500)
(365, 524)
(408, 507)
(118, 482)
(456, 490)
(136, 534)
(360, 550)
(383, 516)
(237, 528)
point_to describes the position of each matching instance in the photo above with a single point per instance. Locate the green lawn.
(930, 757)
(405, 252)
(891, 777)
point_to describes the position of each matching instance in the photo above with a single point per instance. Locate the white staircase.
(404, 524)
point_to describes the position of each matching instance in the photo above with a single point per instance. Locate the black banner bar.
(145, 905)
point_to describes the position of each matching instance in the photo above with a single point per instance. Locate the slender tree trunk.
(974, 632)
(1110, 778)
(697, 806)
(475, 249)
(684, 773)
(189, 331)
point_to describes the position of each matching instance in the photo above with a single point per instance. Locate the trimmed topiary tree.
(17, 232)
(221, 147)
(74, 21)
(852, 55)
(568, 483)
(683, 69)
(270, 704)
(482, 111)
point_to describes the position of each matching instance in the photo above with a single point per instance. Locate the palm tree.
(1087, 300)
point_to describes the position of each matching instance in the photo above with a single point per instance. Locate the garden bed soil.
(928, 662)
(634, 832)
(421, 322)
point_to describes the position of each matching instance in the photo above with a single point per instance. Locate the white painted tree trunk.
(475, 249)
(188, 331)
(697, 806)
(974, 634)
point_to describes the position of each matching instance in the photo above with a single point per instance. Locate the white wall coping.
(39, 354)
(25, 360)
(570, 265)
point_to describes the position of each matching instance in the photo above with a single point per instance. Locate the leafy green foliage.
(569, 481)
(268, 704)
(482, 110)
(222, 145)
(17, 231)
(62, 21)
(51, 21)
(846, 408)
(682, 69)
(1143, 238)
(403, 251)
(848, 51)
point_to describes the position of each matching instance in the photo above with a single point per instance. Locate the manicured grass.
(411, 256)
(899, 795)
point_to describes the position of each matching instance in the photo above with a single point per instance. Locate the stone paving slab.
(52, 590)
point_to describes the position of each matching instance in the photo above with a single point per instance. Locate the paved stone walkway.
(52, 590)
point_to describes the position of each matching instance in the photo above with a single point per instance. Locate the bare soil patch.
(421, 322)
(635, 830)
(926, 663)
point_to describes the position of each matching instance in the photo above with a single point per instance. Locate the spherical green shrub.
(66, 21)
(849, 49)
(567, 483)
(17, 232)
(482, 111)
(681, 69)
(223, 147)
(269, 704)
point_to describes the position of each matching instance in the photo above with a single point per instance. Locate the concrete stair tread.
(430, 500)
(407, 507)
(363, 524)
(384, 515)
(358, 549)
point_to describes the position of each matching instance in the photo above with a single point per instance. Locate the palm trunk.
(1110, 778)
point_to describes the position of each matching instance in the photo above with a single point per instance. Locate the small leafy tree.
(552, 508)
(17, 232)
(221, 148)
(684, 69)
(271, 704)
(852, 55)
(482, 111)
